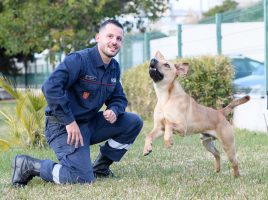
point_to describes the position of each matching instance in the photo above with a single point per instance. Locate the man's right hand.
(74, 134)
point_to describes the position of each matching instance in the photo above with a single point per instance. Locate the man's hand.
(110, 116)
(74, 134)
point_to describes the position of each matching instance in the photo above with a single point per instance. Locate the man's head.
(109, 39)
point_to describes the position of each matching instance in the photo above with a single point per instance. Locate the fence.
(251, 14)
(31, 80)
(36, 73)
(136, 49)
(220, 33)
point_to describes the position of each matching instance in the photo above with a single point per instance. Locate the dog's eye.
(167, 65)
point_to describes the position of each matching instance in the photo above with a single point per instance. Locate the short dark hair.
(111, 21)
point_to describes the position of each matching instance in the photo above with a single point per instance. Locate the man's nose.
(114, 40)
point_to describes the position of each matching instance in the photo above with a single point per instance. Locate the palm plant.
(4, 145)
(27, 125)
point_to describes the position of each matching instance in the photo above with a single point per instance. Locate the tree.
(7, 64)
(29, 26)
(226, 5)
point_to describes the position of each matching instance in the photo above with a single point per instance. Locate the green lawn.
(184, 171)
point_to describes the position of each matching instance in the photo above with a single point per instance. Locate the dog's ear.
(159, 56)
(182, 68)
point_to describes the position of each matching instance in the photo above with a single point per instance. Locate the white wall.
(252, 115)
(244, 38)
(237, 38)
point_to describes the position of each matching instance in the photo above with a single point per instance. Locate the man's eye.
(167, 65)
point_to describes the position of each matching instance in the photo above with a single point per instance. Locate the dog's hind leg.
(208, 142)
(155, 133)
(228, 143)
(168, 135)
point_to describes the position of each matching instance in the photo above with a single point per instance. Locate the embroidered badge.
(113, 80)
(90, 78)
(86, 95)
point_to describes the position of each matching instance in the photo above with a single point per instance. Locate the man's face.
(110, 40)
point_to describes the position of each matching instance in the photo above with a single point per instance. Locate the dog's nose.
(153, 63)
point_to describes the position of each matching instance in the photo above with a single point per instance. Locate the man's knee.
(135, 121)
(139, 122)
(134, 126)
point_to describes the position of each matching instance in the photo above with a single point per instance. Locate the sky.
(202, 5)
(197, 5)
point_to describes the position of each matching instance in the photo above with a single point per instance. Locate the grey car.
(249, 76)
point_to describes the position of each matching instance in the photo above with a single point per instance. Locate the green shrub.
(139, 90)
(209, 82)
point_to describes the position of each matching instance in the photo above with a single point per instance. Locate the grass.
(184, 171)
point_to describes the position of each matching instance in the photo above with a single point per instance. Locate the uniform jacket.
(80, 85)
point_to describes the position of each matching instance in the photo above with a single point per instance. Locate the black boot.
(24, 169)
(101, 167)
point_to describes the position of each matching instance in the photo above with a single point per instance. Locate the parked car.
(249, 76)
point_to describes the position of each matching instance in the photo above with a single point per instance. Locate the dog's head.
(161, 69)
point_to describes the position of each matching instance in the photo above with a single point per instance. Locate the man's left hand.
(110, 116)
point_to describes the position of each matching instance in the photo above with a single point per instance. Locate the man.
(75, 92)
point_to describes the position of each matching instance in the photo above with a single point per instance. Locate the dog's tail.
(225, 111)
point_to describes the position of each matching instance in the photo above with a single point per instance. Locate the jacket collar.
(97, 61)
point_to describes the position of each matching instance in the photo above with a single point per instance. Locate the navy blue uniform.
(76, 90)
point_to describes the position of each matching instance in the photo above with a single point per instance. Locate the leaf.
(36, 99)
(7, 86)
(4, 145)
(27, 126)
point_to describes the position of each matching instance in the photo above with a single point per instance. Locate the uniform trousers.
(75, 163)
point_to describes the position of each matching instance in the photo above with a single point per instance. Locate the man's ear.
(97, 37)
(159, 56)
(182, 68)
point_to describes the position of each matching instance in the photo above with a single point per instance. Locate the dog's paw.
(147, 153)
(147, 150)
(168, 143)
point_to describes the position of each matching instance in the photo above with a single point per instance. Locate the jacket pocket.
(88, 89)
(53, 129)
(60, 146)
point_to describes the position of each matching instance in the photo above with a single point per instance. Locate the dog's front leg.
(168, 135)
(156, 132)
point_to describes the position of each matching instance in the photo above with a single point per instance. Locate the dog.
(177, 112)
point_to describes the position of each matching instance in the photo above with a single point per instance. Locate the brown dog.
(177, 112)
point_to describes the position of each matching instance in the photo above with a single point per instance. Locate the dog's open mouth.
(154, 73)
